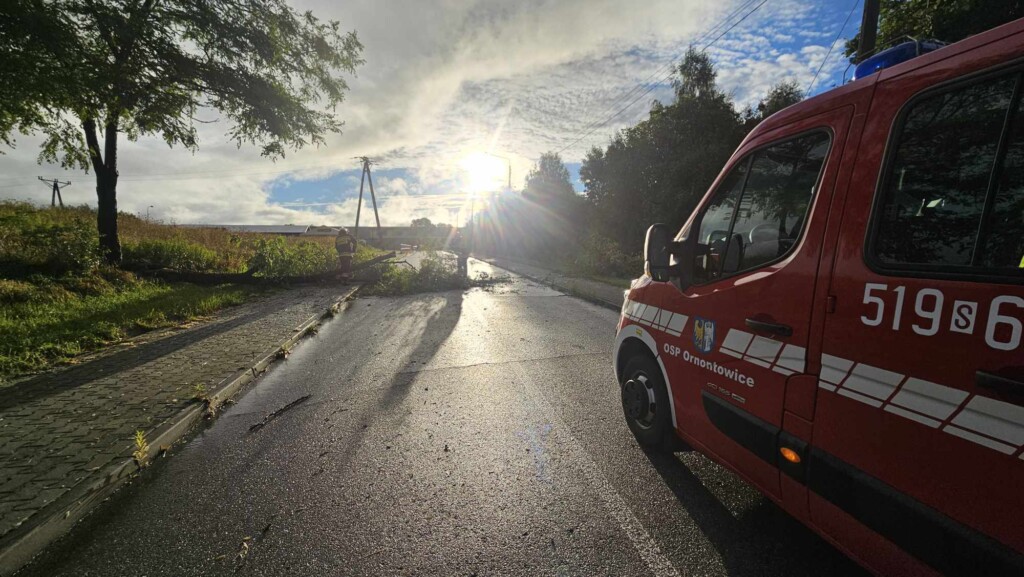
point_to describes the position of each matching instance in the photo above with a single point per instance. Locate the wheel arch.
(634, 340)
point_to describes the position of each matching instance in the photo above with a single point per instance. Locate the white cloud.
(444, 79)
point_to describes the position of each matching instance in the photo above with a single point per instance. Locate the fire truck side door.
(919, 423)
(749, 311)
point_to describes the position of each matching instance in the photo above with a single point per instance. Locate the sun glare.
(483, 173)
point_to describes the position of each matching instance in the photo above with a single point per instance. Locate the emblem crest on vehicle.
(703, 335)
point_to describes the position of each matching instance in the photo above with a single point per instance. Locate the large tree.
(660, 168)
(84, 72)
(548, 179)
(657, 170)
(946, 20)
(550, 212)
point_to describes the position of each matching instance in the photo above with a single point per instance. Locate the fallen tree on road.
(248, 278)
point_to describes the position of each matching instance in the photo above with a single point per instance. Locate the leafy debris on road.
(278, 413)
(243, 552)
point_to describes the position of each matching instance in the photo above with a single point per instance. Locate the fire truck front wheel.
(645, 403)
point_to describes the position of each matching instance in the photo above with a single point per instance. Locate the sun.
(483, 173)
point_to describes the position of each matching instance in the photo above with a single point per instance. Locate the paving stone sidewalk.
(64, 430)
(601, 293)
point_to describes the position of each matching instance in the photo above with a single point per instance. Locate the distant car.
(840, 320)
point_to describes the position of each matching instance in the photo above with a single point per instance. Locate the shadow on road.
(762, 540)
(436, 328)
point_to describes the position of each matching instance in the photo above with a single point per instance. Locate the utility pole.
(55, 187)
(366, 178)
(868, 30)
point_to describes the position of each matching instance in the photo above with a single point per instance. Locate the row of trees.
(658, 169)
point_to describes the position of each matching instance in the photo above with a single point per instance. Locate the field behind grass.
(57, 300)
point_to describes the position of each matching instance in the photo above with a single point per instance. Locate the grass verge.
(46, 323)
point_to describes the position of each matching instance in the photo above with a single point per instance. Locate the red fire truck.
(840, 320)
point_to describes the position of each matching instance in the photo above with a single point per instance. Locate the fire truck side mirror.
(657, 252)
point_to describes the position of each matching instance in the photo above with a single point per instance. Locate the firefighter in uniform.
(461, 249)
(345, 244)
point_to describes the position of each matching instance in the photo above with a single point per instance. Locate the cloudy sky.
(448, 81)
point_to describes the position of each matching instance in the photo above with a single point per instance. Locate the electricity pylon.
(366, 177)
(55, 186)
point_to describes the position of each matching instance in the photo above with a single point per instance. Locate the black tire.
(650, 422)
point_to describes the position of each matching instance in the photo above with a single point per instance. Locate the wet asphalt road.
(474, 433)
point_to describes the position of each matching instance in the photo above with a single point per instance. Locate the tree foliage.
(946, 20)
(657, 170)
(549, 180)
(82, 71)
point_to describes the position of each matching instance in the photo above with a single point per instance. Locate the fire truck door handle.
(1010, 388)
(770, 328)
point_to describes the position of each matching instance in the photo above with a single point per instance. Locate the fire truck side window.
(714, 226)
(757, 219)
(949, 202)
(772, 210)
(1004, 242)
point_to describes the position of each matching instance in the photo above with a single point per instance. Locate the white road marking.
(642, 541)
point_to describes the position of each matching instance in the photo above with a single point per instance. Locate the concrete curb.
(20, 546)
(572, 290)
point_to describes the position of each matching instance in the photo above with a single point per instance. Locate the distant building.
(323, 231)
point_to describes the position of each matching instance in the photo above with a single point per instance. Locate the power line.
(670, 65)
(832, 47)
(655, 85)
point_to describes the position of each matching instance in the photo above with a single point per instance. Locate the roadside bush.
(14, 291)
(51, 248)
(54, 242)
(174, 253)
(599, 255)
(275, 258)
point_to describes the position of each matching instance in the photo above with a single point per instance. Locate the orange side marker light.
(789, 455)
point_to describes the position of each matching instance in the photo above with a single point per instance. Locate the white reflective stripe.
(676, 324)
(985, 421)
(929, 398)
(792, 358)
(834, 369)
(649, 314)
(757, 362)
(913, 416)
(736, 343)
(652, 316)
(763, 351)
(656, 320)
(859, 397)
(993, 418)
(873, 381)
(985, 441)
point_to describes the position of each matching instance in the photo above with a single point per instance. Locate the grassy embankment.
(57, 300)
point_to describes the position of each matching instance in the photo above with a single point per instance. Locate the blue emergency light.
(895, 55)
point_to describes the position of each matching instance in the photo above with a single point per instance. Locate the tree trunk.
(105, 167)
(106, 216)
